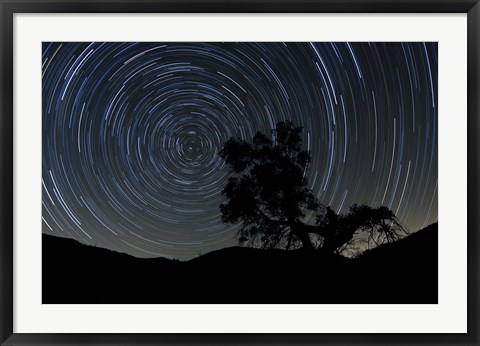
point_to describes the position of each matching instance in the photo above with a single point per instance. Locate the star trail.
(132, 131)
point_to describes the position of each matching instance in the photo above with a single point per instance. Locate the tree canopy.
(268, 194)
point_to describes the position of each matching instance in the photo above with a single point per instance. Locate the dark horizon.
(132, 131)
(213, 250)
(82, 274)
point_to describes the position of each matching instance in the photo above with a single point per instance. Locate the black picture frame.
(9, 7)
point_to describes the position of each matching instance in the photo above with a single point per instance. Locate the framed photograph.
(239, 173)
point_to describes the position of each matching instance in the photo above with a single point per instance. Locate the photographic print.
(239, 173)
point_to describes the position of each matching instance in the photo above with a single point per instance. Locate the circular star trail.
(132, 131)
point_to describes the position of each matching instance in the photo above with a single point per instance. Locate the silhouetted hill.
(407, 268)
(402, 272)
(416, 244)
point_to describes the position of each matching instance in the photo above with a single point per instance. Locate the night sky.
(132, 131)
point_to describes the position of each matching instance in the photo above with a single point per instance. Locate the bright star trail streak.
(132, 131)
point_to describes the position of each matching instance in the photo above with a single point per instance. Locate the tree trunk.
(329, 244)
(305, 239)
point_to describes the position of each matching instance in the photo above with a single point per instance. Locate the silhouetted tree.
(269, 196)
(372, 225)
(268, 192)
